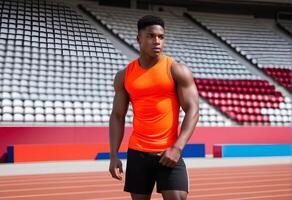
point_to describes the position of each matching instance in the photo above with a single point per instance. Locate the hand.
(116, 168)
(170, 157)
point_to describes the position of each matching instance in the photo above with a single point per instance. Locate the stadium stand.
(254, 40)
(185, 43)
(56, 68)
(284, 21)
(209, 63)
(286, 24)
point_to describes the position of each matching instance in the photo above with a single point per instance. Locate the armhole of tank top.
(126, 73)
(125, 77)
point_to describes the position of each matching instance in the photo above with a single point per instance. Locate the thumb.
(121, 170)
(120, 166)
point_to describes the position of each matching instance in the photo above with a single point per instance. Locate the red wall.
(93, 135)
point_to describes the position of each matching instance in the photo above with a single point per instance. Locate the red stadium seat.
(241, 100)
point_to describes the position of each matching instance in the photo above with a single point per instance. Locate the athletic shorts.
(144, 170)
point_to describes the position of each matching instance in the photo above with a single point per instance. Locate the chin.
(156, 54)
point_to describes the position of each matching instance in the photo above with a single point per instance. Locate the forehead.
(155, 29)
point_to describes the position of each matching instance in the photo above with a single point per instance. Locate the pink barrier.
(99, 135)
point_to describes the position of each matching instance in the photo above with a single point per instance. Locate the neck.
(147, 61)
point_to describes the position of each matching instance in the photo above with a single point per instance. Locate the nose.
(156, 40)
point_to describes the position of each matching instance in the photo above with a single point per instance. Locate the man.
(156, 86)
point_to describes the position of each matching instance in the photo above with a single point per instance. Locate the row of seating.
(85, 112)
(244, 90)
(104, 119)
(229, 95)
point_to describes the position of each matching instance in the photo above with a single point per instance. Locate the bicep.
(188, 96)
(121, 98)
(120, 103)
(186, 89)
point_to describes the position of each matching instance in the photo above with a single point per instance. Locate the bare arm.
(189, 101)
(117, 124)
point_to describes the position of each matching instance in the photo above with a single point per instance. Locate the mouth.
(156, 49)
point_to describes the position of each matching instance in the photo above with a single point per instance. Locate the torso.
(155, 105)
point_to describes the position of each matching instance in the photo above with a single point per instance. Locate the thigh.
(140, 177)
(175, 178)
(174, 195)
(140, 196)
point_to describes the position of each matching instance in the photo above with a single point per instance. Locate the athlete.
(156, 85)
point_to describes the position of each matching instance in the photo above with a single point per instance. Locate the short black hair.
(149, 20)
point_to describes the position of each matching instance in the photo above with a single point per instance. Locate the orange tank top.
(155, 105)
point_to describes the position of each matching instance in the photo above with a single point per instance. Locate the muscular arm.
(189, 101)
(117, 124)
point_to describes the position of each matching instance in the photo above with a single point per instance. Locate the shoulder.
(120, 75)
(119, 79)
(131, 63)
(180, 72)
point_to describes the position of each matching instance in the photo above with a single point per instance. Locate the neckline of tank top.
(145, 69)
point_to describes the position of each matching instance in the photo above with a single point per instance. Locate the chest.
(150, 82)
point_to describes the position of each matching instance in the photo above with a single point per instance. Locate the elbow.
(194, 113)
(117, 117)
(197, 116)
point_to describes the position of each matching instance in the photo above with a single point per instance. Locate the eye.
(149, 35)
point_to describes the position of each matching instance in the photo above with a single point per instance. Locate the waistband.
(148, 153)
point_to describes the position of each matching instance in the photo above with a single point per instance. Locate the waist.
(154, 154)
(152, 145)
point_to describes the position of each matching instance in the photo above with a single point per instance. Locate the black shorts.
(144, 170)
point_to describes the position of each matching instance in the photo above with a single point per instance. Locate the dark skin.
(151, 41)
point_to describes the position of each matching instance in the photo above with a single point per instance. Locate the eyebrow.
(149, 33)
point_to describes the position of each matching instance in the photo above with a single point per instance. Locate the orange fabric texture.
(155, 105)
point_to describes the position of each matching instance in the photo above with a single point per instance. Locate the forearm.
(116, 129)
(187, 128)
